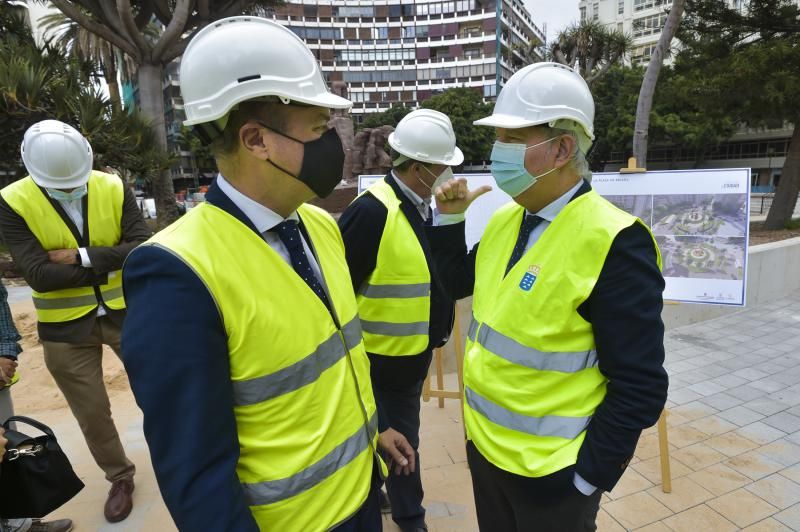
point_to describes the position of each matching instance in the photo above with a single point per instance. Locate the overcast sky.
(557, 14)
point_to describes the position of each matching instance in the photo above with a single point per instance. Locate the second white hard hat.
(427, 136)
(243, 58)
(545, 93)
(56, 155)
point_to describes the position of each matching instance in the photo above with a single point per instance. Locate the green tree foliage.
(747, 67)
(40, 82)
(464, 106)
(390, 117)
(590, 48)
(678, 118)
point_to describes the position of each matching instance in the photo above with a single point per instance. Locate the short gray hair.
(578, 160)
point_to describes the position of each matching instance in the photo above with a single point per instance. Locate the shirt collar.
(550, 211)
(262, 218)
(421, 204)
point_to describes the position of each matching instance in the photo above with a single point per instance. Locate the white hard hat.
(545, 93)
(426, 135)
(242, 58)
(56, 155)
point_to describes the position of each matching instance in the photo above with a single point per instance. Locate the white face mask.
(441, 179)
(60, 195)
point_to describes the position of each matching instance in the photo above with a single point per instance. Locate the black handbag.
(36, 477)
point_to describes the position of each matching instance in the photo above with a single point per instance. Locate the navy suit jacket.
(175, 351)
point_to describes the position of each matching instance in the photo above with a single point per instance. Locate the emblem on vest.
(530, 277)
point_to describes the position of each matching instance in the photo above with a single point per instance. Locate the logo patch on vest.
(530, 277)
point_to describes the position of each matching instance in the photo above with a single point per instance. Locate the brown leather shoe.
(120, 500)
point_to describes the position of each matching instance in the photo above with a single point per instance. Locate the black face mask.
(323, 162)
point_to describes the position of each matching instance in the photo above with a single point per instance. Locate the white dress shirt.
(423, 205)
(548, 214)
(74, 210)
(265, 219)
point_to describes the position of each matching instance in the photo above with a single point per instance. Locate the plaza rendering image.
(701, 236)
(700, 215)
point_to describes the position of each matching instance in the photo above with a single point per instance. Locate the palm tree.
(71, 37)
(590, 48)
(124, 24)
(645, 103)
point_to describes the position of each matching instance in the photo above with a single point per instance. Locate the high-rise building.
(388, 52)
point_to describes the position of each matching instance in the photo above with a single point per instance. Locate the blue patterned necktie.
(289, 233)
(529, 223)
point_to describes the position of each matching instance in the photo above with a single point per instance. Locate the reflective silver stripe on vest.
(64, 302)
(395, 329)
(60, 303)
(114, 293)
(299, 374)
(272, 491)
(513, 351)
(399, 291)
(560, 426)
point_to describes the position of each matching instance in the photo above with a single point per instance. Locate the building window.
(395, 10)
(639, 5)
(409, 32)
(641, 54)
(596, 12)
(489, 91)
(649, 25)
(355, 11)
(473, 52)
(310, 11)
(621, 7)
(583, 13)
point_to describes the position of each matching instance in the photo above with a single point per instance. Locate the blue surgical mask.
(60, 195)
(508, 167)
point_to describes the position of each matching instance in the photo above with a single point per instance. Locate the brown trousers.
(78, 371)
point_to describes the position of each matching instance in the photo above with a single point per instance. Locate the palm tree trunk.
(789, 186)
(151, 101)
(645, 103)
(110, 73)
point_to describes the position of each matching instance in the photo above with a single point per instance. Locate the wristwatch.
(78, 258)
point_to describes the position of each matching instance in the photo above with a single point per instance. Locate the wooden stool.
(438, 358)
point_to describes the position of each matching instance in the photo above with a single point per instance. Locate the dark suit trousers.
(505, 502)
(401, 405)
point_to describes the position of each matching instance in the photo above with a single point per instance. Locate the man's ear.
(566, 147)
(251, 137)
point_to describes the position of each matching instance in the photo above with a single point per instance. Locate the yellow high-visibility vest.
(395, 301)
(531, 377)
(305, 413)
(105, 198)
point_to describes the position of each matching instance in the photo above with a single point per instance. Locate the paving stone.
(683, 396)
(658, 526)
(731, 444)
(684, 435)
(651, 469)
(606, 522)
(729, 380)
(685, 494)
(777, 490)
(746, 392)
(699, 456)
(740, 416)
(768, 385)
(742, 507)
(637, 510)
(790, 517)
(631, 482)
(794, 437)
(707, 388)
(784, 421)
(760, 433)
(699, 518)
(792, 473)
(713, 425)
(754, 465)
(721, 401)
(768, 525)
(782, 451)
(720, 479)
(766, 406)
(693, 410)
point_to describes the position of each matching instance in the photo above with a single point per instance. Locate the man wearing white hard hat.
(564, 360)
(243, 343)
(404, 311)
(69, 229)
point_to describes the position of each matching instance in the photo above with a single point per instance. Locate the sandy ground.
(37, 391)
